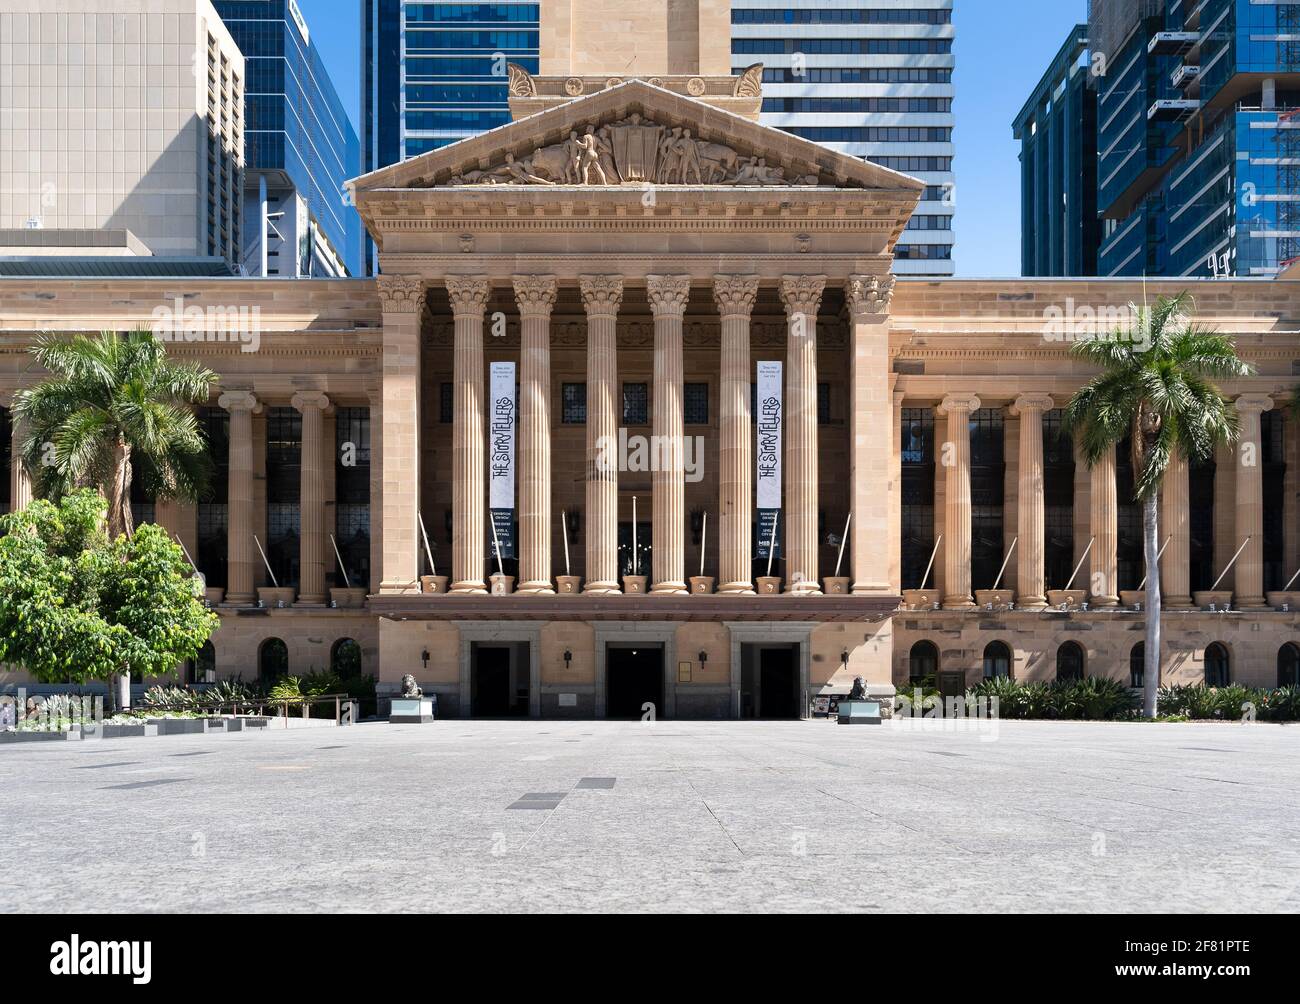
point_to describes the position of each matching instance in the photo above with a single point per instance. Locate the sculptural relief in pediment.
(634, 151)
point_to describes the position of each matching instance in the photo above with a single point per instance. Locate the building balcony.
(1173, 43)
(1173, 110)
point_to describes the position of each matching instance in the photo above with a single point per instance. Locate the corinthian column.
(469, 295)
(802, 296)
(602, 295)
(536, 297)
(955, 457)
(735, 296)
(311, 585)
(669, 295)
(403, 300)
(872, 429)
(1175, 526)
(239, 518)
(1031, 564)
(1250, 501)
(20, 484)
(1104, 587)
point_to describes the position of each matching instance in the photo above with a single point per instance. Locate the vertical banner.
(501, 457)
(770, 405)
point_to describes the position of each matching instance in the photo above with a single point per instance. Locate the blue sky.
(1002, 50)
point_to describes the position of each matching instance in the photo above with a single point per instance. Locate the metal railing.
(256, 706)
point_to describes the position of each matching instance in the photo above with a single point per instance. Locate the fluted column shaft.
(1104, 583)
(20, 485)
(669, 295)
(1175, 527)
(802, 296)
(536, 297)
(1250, 500)
(239, 515)
(871, 450)
(955, 457)
(469, 295)
(1032, 531)
(311, 544)
(403, 301)
(602, 295)
(735, 296)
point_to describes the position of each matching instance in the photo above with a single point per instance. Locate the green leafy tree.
(75, 606)
(1156, 386)
(114, 403)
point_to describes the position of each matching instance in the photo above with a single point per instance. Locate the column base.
(804, 588)
(469, 588)
(1177, 603)
(239, 600)
(1032, 603)
(959, 603)
(737, 589)
(602, 589)
(400, 588)
(1103, 602)
(1252, 604)
(536, 589)
(669, 589)
(873, 590)
(319, 604)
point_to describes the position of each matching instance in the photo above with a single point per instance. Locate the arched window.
(1137, 666)
(1218, 667)
(997, 661)
(205, 666)
(1069, 662)
(1288, 665)
(272, 660)
(923, 663)
(345, 659)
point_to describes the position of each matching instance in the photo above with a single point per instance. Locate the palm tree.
(114, 406)
(1156, 387)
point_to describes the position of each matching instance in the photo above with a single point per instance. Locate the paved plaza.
(699, 816)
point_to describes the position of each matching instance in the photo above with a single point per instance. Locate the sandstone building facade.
(638, 249)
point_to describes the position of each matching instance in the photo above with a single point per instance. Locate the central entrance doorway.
(634, 677)
(769, 682)
(499, 680)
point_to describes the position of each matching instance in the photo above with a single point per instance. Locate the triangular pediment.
(637, 134)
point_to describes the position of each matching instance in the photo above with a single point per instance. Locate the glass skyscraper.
(1199, 159)
(435, 73)
(300, 149)
(873, 80)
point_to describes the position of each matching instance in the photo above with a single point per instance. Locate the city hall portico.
(637, 235)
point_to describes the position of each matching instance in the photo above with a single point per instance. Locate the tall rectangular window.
(213, 508)
(352, 494)
(6, 460)
(1131, 559)
(636, 404)
(918, 494)
(1200, 523)
(695, 403)
(284, 492)
(1058, 501)
(574, 404)
(988, 494)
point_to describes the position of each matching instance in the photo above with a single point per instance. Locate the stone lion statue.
(859, 692)
(410, 688)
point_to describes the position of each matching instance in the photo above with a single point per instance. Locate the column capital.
(668, 294)
(601, 294)
(239, 400)
(468, 294)
(312, 399)
(735, 294)
(401, 294)
(1257, 403)
(959, 403)
(802, 294)
(869, 295)
(535, 294)
(1032, 402)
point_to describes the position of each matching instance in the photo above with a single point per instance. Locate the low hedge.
(1101, 699)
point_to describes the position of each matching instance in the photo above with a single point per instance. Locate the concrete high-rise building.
(1198, 150)
(873, 80)
(1057, 130)
(301, 148)
(121, 135)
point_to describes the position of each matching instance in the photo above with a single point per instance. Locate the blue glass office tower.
(435, 73)
(1057, 130)
(300, 149)
(1198, 154)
